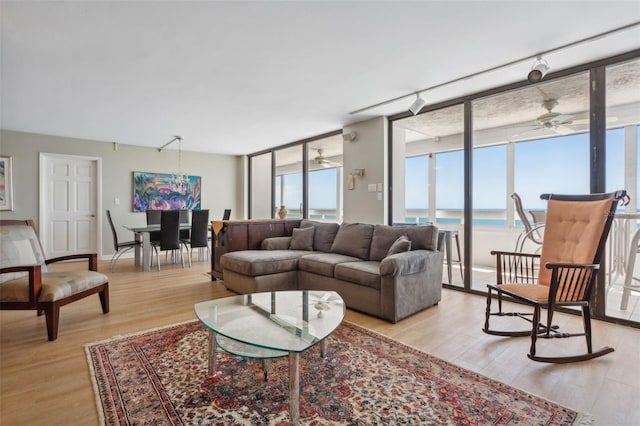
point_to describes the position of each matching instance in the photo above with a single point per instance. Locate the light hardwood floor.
(48, 383)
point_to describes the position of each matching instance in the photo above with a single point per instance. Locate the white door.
(69, 204)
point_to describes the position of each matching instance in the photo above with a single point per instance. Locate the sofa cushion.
(276, 243)
(383, 237)
(323, 263)
(353, 239)
(400, 245)
(302, 239)
(261, 262)
(364, 273)
(324, 234)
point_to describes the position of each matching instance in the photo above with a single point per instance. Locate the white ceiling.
(238, 77)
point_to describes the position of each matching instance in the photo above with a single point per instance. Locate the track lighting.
(349, 136)
(417, 105)
(538, 70)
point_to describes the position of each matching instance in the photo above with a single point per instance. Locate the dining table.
(143, 234)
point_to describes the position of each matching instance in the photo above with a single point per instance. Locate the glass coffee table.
(271, 325)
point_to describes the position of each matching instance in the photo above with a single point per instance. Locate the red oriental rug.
(160, 377)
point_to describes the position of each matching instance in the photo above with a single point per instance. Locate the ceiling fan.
(550, 120)
(322, 160)
(553, 121)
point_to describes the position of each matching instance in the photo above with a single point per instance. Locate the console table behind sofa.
(238, 235)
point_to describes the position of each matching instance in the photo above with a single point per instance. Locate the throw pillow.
(302, 239)
(400, 245)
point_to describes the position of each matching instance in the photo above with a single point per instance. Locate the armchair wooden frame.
(549, 281)
(51, 309)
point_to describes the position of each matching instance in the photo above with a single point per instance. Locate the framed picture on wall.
(164, 191)
(6, 183)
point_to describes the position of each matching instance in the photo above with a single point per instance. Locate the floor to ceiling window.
(428, 159)
(288, 182)
(526, 139)
(526, 142)
(260, 186)
(306, 180)
(622, 294)
(325, 179)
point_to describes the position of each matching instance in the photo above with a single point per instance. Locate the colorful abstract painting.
(159, 191)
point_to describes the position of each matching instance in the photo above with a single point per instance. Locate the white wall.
(368, 151)
(222, 177)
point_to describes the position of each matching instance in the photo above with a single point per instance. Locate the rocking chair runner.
(576, 230)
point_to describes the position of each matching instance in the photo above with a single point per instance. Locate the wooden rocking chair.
(563, 275)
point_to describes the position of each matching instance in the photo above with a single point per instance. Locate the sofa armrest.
(410, 282)
(408, 263)
(276, 243)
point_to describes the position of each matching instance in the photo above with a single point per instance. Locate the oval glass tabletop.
(288, 321)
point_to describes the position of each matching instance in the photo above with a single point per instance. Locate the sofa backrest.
(368, 242)
(422, 237)
(324, 234)
(353, 239)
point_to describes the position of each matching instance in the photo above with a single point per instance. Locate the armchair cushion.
(19, 245)
(59, 285)
(55, 286)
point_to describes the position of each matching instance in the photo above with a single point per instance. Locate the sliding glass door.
(526, 142)
(428, 177)
(622, 292)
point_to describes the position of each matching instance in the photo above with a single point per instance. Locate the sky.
(558, 164)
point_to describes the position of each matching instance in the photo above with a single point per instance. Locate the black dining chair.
(199, 232)
(153, 218)
(184, 219)
(169, 236)
(120, 248)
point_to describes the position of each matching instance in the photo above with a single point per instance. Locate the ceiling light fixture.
(417, 105)
(179, 180)
(498, 67)
(538, 70)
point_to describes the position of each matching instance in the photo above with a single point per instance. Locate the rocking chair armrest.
(514, 254)
(516, 267)
(91, 257)
(550, 265)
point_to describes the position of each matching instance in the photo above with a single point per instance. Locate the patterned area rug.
(160, 377)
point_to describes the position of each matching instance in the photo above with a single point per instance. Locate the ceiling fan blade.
(562, 119)
(586, 120)
(563, 130)
(525, 132)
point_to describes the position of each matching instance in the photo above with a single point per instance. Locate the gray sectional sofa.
(388, 272)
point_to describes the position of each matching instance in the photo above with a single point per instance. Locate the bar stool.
(449, 234)
(629, 286)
